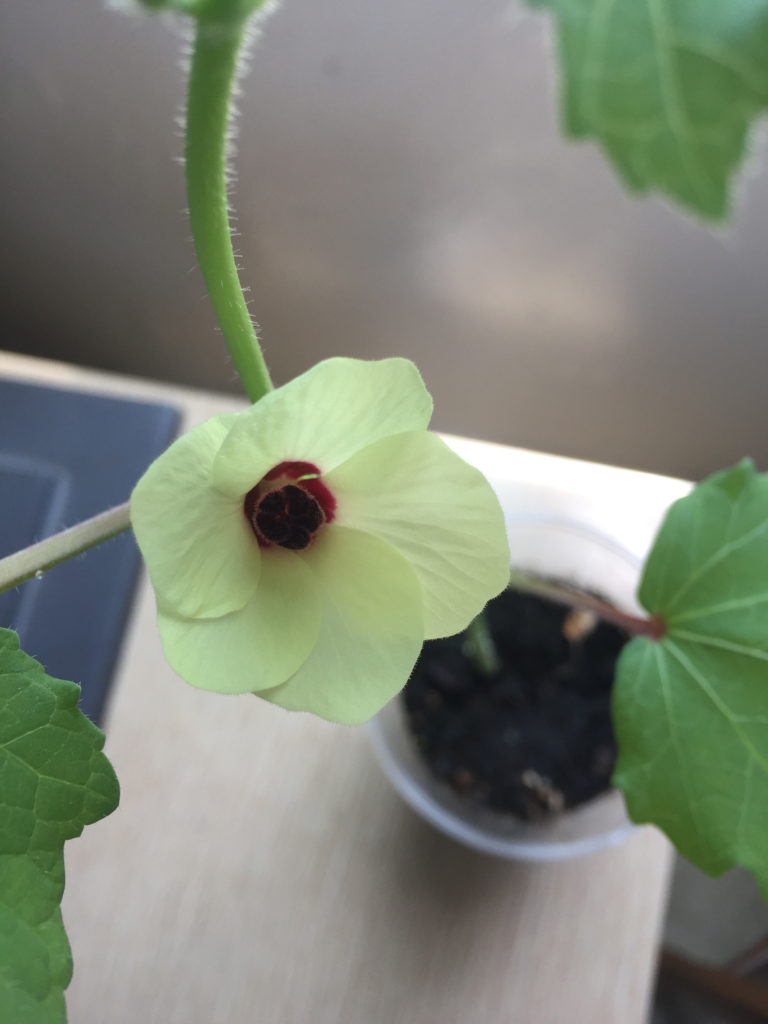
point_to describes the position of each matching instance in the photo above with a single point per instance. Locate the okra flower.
(303, 549)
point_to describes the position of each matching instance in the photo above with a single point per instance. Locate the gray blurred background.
(404, 189)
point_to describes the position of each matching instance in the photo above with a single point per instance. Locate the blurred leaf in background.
(670, 89)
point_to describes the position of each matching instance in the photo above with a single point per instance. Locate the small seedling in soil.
(517, 717)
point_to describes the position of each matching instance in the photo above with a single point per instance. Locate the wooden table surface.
(260, 869)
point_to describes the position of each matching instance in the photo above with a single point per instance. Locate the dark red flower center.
(289, 506)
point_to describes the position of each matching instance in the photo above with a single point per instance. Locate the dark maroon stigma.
(289, 505)
(288, 517)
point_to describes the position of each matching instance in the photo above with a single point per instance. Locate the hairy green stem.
(31, 561)
(211, 81)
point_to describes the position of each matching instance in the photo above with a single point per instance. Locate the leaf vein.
(673, 104)
(719, 642)
(726, 606)
(718, 702)
(715, 559)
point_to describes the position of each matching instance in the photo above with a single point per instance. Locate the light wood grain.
(260, 869)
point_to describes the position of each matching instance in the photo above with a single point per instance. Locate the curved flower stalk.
(305, 548)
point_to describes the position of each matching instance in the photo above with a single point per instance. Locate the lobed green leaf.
(54, 781)
(691, 710)
(668, 88)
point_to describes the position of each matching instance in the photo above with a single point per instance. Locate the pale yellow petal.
(257, 646)
(322, 417)
(371, 631)
(439, 512)
(201, 554)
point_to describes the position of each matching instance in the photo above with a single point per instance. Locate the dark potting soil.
(535, 738)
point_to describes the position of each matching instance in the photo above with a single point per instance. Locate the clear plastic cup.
(574, 554)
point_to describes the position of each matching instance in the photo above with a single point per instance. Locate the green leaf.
(691, 710)
(54, 780)
(669, 88)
